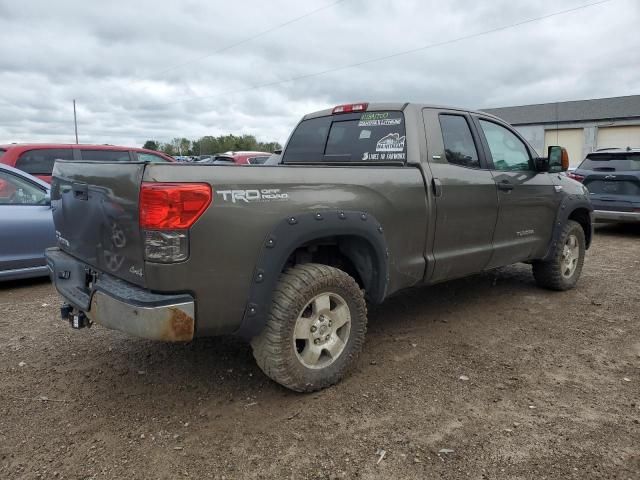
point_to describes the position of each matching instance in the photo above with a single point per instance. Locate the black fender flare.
(297, 230)
(569, 204)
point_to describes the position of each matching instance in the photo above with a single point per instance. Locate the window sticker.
(377, 119)
(365, 134)
(369, 157)
(391, 143)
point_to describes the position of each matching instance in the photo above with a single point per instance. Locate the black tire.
(299, 294)
(552, 273)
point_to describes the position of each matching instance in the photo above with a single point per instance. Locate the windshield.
(2, 150)
(356, 137)
(612, 162)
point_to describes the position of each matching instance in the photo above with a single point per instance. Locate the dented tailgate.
(95, 211)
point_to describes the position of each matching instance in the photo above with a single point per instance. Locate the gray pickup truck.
(367, 200)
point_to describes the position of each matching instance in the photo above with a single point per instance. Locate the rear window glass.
(150, 157)
(105, 155)
(607, 162)
(359, 137)
(40, 162)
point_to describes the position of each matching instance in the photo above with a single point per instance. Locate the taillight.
(350, 108)
(576, 176)
(167, 211)
(169, 206)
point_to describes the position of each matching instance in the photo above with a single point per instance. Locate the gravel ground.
(513, 381)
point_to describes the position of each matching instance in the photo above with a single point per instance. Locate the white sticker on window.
(391, 143)
(365, 134)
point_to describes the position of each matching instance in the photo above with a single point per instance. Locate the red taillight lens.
(575, 176)
(350, 107)
(170, 206)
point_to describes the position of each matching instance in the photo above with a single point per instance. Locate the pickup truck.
(367, 200)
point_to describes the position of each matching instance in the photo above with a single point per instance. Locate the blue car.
(612, 176)
(26, 225)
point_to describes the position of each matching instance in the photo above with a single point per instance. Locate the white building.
(581, 126)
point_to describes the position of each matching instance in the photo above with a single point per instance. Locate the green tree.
(151, 145)
(168, 148)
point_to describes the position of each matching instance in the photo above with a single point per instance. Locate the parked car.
(613, 178)
(240, 158)
(369, 199)
(26, 224)
(38, 158)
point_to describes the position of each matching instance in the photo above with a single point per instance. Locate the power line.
(247, 39)
(386, 57)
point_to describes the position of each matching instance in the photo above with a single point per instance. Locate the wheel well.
(581, 215)
(350, 253)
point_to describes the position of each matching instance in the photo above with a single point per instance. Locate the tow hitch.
(76, 318)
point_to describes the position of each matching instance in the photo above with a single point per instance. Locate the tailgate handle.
(81, 191)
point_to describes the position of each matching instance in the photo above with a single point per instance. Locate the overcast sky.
(157, 69)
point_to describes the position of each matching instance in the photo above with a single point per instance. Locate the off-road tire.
(548, 274)
(274, 349)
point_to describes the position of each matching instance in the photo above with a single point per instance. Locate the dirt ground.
(515, 382)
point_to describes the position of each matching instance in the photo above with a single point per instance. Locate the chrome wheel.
(322, 330)
(570, 256)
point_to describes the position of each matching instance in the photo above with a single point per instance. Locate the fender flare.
(297, 230)
(569, 204)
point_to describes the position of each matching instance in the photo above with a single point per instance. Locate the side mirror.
(558, 159)
(47, 198)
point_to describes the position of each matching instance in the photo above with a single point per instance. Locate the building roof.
(614, 108)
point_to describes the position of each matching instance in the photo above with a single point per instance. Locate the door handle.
(505, 186)
(437, 187)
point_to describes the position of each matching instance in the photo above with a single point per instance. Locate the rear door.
(527, 199)
(465, 195)
(26, 226)
(95, 210)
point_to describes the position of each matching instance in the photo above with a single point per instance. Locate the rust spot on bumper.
(179, 326)
(169, 323)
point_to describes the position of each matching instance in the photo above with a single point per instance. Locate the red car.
(241, 158)
(38, 158)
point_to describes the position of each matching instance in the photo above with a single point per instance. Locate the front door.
(26, 223)
(464, 193)
(527, 199)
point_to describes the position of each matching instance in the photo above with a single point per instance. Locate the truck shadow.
(223, 370)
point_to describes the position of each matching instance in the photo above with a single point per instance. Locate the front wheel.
(315, 329)
(562, 270)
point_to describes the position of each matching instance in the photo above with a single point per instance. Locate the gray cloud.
(116, 58)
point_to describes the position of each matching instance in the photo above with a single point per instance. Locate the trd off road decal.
(377, 119)
(391, 143)
(249, 196)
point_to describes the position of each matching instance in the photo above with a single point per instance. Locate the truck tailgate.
(95, 211)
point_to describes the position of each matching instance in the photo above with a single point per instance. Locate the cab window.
(508, 152)
(459, 146)
(349, 138)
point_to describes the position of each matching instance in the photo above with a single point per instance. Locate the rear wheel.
(562, 270)
(315, 329)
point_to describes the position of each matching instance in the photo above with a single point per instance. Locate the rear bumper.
(119, 305)
(606, 216)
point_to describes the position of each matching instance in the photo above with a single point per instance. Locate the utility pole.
(75, 119)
